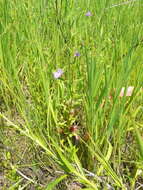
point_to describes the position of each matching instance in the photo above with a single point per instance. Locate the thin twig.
(25, 177)
(140, 186)
(122, 3)
(91, 174)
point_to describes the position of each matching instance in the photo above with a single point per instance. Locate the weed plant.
(63, 65)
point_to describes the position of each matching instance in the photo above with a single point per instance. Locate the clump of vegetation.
(71, 94)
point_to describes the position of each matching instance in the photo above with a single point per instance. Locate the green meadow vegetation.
(71, 97)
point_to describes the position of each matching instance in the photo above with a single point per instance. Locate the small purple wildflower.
(58, 73)
(77, 54)
(88, 13)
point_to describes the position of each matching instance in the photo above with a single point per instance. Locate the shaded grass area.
(63, 66)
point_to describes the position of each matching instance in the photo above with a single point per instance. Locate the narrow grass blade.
(139, 142)
(52, 184)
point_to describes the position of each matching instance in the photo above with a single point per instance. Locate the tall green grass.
(36, 38)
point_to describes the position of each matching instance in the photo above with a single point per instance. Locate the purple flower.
(77, 54)
(58, 73)
(88, 13)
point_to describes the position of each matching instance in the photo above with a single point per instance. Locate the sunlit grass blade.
(53, 184)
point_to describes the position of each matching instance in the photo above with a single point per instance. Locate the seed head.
(73, 128)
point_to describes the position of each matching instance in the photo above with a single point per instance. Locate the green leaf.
(52, 184)
(139, 141)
